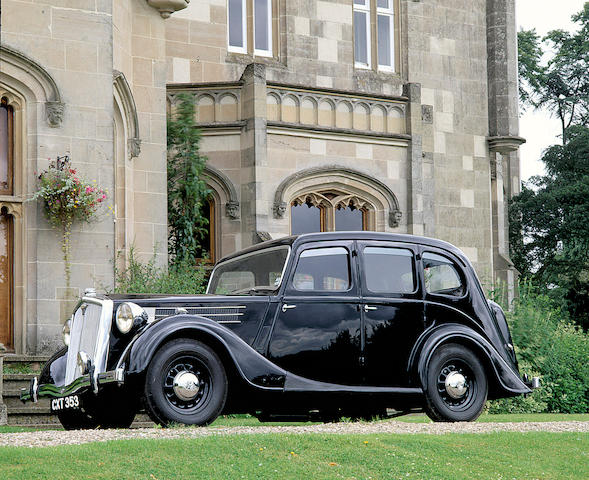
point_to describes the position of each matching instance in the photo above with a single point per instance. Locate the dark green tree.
(549, 225)
(562, 84)
(187, 191)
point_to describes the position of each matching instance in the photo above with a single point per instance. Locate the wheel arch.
(237, 356)
(502, 380)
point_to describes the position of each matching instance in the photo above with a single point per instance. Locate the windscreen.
(258, 272)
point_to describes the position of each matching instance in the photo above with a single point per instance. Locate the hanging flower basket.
(67, 198)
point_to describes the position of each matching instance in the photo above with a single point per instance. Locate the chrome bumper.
(531, 383)
(36, 391)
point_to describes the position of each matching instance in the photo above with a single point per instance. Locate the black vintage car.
(321, 325)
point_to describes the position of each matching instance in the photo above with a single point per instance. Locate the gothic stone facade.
(403, 110)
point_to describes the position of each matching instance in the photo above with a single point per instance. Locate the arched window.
(327, 211)
(6, 147)
(208, 239)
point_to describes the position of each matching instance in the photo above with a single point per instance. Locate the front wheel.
(185, 383)
(456, 388)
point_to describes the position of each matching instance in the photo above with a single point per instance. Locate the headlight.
(129, 314)
(65, 332)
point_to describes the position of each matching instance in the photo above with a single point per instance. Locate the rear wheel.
(456, 388)
(185, 383)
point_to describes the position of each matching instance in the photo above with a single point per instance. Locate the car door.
(317, 331)
(392, 308)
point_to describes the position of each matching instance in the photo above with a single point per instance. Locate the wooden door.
(6, 280)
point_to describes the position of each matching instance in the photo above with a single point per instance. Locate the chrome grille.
(219, 314)
(90, 332)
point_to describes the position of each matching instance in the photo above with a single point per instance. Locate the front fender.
(506, 375)
(251, 366)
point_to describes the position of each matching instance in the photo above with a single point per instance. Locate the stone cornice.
(505, 143)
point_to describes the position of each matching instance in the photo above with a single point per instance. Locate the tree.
(549, 225)
(187, 191)
(562, 84)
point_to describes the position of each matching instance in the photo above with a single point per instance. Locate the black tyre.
(456, 388)
(185, 383)
(107, 410)
(76, 420)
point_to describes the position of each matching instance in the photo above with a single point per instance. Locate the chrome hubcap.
(455, 384)
(186, 385)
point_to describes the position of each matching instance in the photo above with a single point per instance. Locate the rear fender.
(507, 378)
(250, 365)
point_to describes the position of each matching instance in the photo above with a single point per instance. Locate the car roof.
(357, 235)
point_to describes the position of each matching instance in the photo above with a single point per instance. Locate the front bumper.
(83, 383)
(531, 383)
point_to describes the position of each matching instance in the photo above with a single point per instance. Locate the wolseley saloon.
(316, 326)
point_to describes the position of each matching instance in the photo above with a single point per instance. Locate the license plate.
(73, 401)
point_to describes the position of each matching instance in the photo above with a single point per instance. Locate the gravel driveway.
(50, 438)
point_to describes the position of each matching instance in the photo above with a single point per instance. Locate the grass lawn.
(452, 456)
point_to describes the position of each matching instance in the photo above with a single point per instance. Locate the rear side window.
(389, 270)
(323, 269)
(442, 276)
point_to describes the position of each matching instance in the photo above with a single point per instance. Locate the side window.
(441, 275)
(389, 270)
(323, 269)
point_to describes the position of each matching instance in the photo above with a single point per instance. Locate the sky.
(538, 127)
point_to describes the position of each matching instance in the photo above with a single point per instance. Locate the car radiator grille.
(220, 314)
(89, 333)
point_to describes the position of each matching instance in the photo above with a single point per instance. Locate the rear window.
(442, 276)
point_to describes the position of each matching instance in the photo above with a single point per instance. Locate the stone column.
(503, 129)
(253, 153)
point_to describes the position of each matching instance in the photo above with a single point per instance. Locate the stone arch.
(378, 119)
(273, 107)
(223, 185)
(326, 113)
(22, 102)
(396, 120)
(344, 114)
(30, 75)
(289, 109)
(228, 108)
(205, 108)
(309, 111)
(361, 116)
(126, 103)
(345, 180)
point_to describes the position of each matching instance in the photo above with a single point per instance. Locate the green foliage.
(183, 277)
(187, 191)
(562, 84)
(548, 345)
(549, 226)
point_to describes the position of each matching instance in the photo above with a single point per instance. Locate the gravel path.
(48, 438)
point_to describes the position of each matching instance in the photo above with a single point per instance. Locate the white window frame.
(389, 12)
(260, 52)
(364, 7)
(232, 48)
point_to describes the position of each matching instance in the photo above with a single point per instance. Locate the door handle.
(286, 307)
(367, 308)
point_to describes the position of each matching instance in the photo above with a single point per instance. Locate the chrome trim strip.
(53, 391)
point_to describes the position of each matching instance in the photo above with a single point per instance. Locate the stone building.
(387, 115)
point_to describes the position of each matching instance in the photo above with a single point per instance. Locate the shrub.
(549, 345)
(183, 277)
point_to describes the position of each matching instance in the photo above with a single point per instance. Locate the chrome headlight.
(129, 314)
(65, 332)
